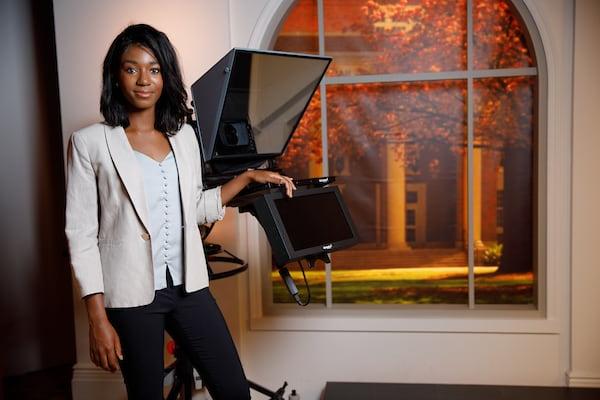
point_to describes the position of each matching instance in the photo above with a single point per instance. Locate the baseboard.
(92, 383)
(583, 379)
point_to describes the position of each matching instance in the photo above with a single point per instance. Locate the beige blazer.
(107, 222)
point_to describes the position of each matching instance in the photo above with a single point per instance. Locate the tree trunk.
(517, 252)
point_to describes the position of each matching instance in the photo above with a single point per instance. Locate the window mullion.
(325, 157)
(321, 27)
(393, 78)
(429, 76)
(470, 158)
(322, 87)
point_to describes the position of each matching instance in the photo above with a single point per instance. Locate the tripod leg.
(187, 388)
(272, 395)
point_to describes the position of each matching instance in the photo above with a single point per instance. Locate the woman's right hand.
(105, 346)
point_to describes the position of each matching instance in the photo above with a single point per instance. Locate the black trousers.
(195, 322)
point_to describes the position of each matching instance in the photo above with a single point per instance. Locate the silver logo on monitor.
(327, 247)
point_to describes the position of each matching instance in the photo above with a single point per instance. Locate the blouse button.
(145, 236)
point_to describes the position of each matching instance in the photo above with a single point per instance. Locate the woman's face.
(140, 77)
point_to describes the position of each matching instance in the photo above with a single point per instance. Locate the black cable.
(291, 285)
(231, 259)
(306, 285)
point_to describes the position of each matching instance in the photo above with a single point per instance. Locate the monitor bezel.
(293, 254)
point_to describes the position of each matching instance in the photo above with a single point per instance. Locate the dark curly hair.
(171, 109)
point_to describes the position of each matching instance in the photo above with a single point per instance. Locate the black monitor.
(314, 221)
(249, 104)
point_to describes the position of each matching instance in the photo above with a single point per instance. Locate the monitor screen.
(314, 220)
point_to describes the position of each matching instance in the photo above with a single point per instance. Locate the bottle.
(294, 395)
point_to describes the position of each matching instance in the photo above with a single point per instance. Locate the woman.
(134, 202)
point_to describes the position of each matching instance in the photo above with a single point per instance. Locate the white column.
(396, 197)
(477, 196)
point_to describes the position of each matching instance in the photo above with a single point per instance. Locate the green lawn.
(412, 286)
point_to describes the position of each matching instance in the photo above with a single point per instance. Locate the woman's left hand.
(230, 189)
(264, 176)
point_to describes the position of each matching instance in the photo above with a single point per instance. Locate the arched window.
(428, 118)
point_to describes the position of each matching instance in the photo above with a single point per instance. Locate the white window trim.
(554, 152)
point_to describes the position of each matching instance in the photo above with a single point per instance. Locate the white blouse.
(161, 186)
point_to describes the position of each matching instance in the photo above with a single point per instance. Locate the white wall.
(199, 29)
(586, 197)
(402, 347)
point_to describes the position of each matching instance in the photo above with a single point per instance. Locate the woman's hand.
(105, 346)
(264, 176)
(234, 186)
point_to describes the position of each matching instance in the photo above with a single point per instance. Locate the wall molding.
(92, 383)
(268, 21)
(583, 379)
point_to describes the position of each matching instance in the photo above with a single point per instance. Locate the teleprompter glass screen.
(313, 220)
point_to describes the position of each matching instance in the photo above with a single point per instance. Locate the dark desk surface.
(396, 391)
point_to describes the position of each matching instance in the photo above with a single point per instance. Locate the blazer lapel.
(128, 170)
(177, 145)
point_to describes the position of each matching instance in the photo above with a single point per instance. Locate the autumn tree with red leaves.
(425, 36)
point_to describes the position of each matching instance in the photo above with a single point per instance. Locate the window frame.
(460, 318)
